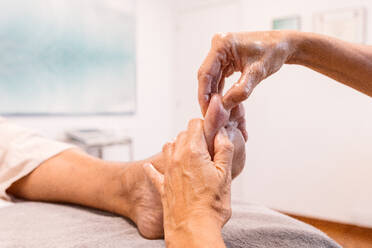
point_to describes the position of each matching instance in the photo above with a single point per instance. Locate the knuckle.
(222, 40)
(217, 38)
(181, 136)
(194, 150)
(228, 37)
(166, 151)
(195, 122)
(166, 147)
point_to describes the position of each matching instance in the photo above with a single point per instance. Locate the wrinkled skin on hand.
(256, 55)
(233, 121)
(194, 184)
(150, 214)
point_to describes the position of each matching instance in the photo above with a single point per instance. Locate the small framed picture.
(287, 23)
(347, 24)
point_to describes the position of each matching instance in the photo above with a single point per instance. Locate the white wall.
(150, 126)
(310, 145)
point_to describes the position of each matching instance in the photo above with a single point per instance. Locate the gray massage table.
(34, 224)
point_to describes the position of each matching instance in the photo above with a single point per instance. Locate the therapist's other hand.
(256, 55)
(195, 190)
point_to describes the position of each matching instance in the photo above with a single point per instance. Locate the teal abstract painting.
(68, 57)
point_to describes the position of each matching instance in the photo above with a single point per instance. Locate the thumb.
(223, 151)
(215, 118)
(156, 178)
(241, 90)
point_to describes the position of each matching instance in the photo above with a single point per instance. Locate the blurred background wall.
(310, 138)
(151, 124)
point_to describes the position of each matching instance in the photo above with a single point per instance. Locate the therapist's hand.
(256, 55)
(195, 189)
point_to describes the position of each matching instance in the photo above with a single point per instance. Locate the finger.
(241, 90)
(221, 85)
(195, 135)
(238, 116)
(156, 178)
(227, 72)
(227, 69)
(180, 140)
(223, 152)
(215, 118)
(219, 77)
(210, 72)
(167, 154)
(221, 81)
(208, 77)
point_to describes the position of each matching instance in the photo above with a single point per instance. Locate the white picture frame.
(345, 24)
(287, 23)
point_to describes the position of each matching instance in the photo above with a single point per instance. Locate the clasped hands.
(195, 186)
(200, 164)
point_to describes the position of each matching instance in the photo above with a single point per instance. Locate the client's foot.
(145, 208)
(148, 210)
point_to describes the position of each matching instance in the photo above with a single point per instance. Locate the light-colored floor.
(348, 236)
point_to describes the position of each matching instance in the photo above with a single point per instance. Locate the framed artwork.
(287, 23)
(347, 24)
(71, 57)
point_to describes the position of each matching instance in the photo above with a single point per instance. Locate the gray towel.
(34, 224)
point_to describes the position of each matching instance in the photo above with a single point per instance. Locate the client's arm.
(195, 189)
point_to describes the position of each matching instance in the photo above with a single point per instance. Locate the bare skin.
(75, 177)
(121, 188)
(234, 122)
(195, 189)
(257, 55)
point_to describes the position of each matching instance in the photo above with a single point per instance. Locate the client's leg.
(75, 177)
(122, 188)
